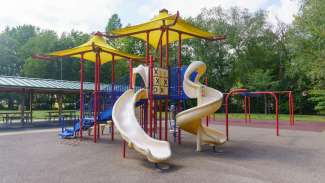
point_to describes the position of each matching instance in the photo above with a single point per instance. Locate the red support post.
(146, 118)
(179, 105)
(160, 119)
(245, 108)
(143, 118)
(160, 54)
(291, 99)
(140, 111)
(207, 118)
(113, 92)
(81, 94)
(95, 98)
(147, 47)
(249, 109)
(289, 105)
(99, 108)
(150, 93)
(291, 108)
(166, 97)
(276, 113)
(123, 149)
(155, 117)
(226, 111)
(160, 100)
(131, 74)
(146, 62)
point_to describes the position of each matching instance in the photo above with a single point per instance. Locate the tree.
(114, 22)
(318, 96)
(44, 42)
(11, 41)
(250, 45)
(10, 62)
(307, 46)
(308, 40)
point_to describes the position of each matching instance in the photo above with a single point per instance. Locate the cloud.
(90, 16)
(283, 11)
(59, 15)
(194, 7)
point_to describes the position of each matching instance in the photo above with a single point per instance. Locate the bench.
(8, 117)
(52, 115)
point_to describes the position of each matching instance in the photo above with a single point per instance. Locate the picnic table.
(52, 115)
(8, 117)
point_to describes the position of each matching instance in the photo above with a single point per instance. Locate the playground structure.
(162, 30)
(137, 111)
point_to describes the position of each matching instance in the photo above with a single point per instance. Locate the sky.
(92, 15)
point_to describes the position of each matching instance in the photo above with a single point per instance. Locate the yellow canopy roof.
(174, 23)
(89, 54)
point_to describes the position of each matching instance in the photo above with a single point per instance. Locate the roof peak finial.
(163, 10)
(98, 33)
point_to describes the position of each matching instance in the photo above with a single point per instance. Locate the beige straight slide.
(209, 100)
(126, 122)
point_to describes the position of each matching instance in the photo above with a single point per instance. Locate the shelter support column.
(22, 108)
(60, 99)
(31, 96)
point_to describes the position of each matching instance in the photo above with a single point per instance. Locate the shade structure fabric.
(87, 49)
(156, 27)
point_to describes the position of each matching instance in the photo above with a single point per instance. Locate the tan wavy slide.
(125, 120)
(209, 100)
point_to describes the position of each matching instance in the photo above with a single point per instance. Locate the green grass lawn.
(37, 114)
(285, 117)
(306, 118)
(43, 114)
